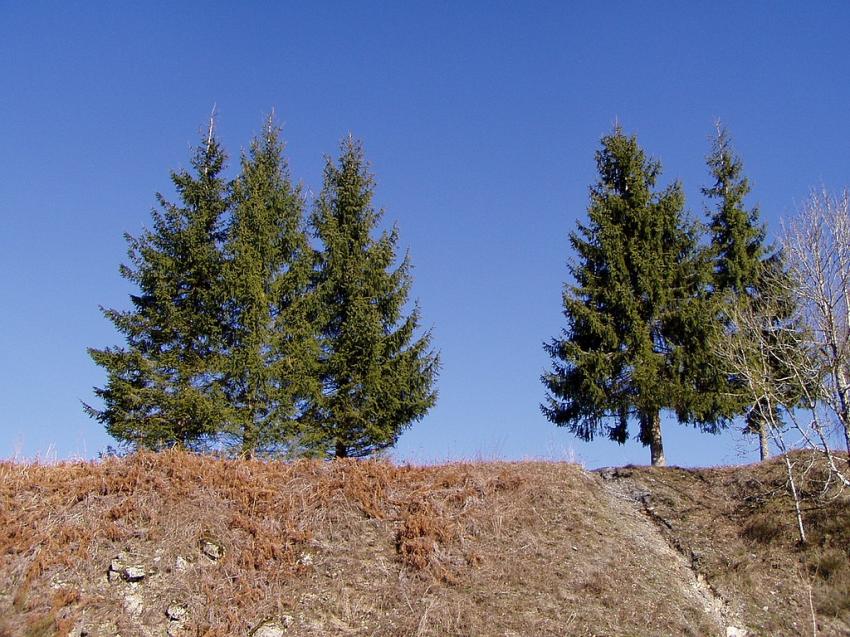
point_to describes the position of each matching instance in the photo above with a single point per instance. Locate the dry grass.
(369, 548)
(739, 527)
(279, 525)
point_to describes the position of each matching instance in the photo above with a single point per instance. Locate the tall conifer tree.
(163, 387)
(377, 376)
(638, 316)
(744, 266)
(271, 349)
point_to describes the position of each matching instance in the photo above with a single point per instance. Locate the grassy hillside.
(176, 544)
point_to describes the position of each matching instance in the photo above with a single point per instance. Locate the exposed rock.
(133, 573)
(119, 569)
(734, 631)
(115, 568)
(305, 560)
(176, 612)
(180, 564)
(272, 628)
(212, 549)
(59, 583)
(133, 604)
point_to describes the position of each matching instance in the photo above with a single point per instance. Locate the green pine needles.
(245, 336)
(266, 281)
(736, 233)
(376, 376)
(261, 328)
(752, 280)
(640, 318)
(165, 386)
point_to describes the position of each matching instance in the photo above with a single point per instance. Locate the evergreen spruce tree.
(736, 233)
(271, 352)
(742, 261)
(639, 319)
(163, 387)
(377, 376)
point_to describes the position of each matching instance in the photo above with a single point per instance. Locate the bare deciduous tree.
(817, 246)
(765, 353)
(788, 348)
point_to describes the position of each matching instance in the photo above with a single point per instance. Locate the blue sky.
(481, 121)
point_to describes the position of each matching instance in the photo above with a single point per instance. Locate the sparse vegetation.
(367, 547)
(738, 524)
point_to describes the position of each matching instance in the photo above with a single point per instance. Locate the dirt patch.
(652, 531)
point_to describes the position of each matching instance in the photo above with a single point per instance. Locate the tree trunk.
(847, 442)
(650, 434)
(249, 434)
(341, 450)
(843, 387)
(800, 528)
(249, 444)
(764, 442)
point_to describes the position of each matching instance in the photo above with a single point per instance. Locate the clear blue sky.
(481, 120)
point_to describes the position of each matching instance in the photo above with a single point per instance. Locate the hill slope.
(178, 544)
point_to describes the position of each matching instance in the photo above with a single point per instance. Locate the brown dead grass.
(370, 548)
(60, 526)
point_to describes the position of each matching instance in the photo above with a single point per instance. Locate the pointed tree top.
(618, 127)
(270, 126)
(211, 130)
(719, 127)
